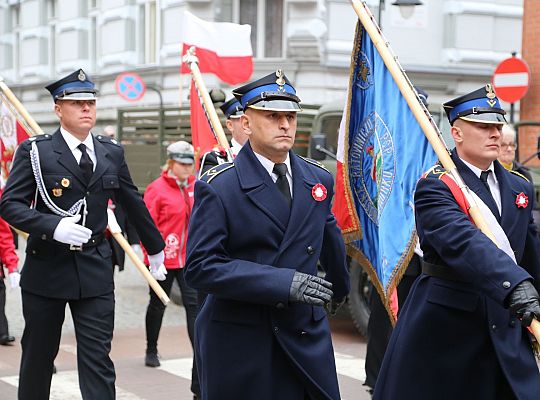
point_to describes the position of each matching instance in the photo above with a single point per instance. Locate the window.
(266, 18)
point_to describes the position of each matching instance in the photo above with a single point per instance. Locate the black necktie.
(484, 178)
(86, 163)
(282, 182)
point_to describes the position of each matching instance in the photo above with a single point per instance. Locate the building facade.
(448, 47)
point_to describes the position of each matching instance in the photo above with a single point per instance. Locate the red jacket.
(170, 207)
(8, 255)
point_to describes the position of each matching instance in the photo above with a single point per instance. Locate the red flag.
(223, 48)
(11, 133)
(202, 137)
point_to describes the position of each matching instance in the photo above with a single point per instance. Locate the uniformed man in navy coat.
(258, 228)
(461, 333)
(58, 191)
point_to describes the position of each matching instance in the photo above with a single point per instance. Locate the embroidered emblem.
(65, 182)
(280, 80)
(57, 192)
(490, 94)
(319, 192)
(522, 201)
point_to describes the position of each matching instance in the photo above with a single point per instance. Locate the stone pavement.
(172, 379)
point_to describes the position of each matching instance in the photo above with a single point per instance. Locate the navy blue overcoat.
(244, 245)
(456, 340)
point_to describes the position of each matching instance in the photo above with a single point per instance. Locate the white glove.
(137, 249)
(69, 232)
(157, 268)
(14, 279)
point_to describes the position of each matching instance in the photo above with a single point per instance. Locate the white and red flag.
(202, 137)
(223, 48)
(11, 134)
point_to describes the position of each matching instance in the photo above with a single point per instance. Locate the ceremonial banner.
(222, 48)
(202, 138)
(11, 134)
(382, 152)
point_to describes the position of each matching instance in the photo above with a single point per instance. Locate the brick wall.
(530, 104)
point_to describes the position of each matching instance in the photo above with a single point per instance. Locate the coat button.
(276, 329)
(280, 306)
(44, 236)
(310, 250)
(303, 333)
(33, 252)
(506, 284)
(493, 327)
(512, 323)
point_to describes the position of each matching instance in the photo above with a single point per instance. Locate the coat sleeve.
(18, 195)
(137, 213)
(209, 267)
(461, 245)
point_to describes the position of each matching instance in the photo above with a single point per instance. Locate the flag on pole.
(382, 152)
(11, 134)
(202, 137)
(223, 48)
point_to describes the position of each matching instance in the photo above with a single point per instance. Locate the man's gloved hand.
(334, 305)
(310, 289)
(157, 268)
(14, 279)
(69, 232)
(523, 302)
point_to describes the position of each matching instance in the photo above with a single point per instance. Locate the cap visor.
(78, 96)
(183, 160)
(485, 118)
(276, 105)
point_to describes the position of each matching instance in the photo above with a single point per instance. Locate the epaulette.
(209, 175)
(314, 162)
(106, 139)
(39, 138)
(518, 174)
(435, 172)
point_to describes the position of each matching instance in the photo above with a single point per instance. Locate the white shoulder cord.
(36, 168)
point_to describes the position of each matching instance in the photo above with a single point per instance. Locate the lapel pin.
(64, 182)
(319, 192)
(522, 200)
(57, 192)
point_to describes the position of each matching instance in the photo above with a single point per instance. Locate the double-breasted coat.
(244, 245)
(454, 337)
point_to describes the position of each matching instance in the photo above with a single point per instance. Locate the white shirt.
(493, 183)
(269, 167)
(235, 147)
(73, 142)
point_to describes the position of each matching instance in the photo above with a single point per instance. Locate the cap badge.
(319, 192)
(64, 182)
(81, 76)
(57, 192)
(490, 94)
(280, 80)
(522, 200)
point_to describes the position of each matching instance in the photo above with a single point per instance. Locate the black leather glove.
(523, 302)
(310, 289)
(333, 306)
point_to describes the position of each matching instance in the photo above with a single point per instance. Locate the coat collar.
(262, 190)
(66, 158)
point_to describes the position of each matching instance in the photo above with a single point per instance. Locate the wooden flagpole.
(421, 115)
(193, 63)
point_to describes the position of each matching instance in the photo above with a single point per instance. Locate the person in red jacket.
(169, 199)
(9, 260)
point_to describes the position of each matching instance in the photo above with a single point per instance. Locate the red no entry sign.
(130, 86)
(511, 79)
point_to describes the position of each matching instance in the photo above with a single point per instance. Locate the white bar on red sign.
(510, 80)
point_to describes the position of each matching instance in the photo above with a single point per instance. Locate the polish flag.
(223, 48)
(202, 137)
(11, 134)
